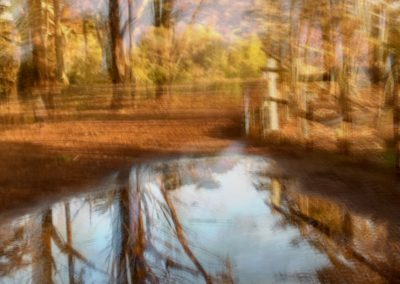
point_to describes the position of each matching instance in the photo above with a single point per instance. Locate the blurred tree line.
(162, 41)
(47, 43)
(339, 55)
(346, 50)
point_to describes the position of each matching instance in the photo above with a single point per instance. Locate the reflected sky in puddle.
(217, 219)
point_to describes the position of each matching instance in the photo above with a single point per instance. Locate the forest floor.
(57, 152)
(76, 142)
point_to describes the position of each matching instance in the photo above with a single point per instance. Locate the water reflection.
(352, 243)
(214, 220)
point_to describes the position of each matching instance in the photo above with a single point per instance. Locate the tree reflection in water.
(213, 220)
(139, 254)
(352, 243)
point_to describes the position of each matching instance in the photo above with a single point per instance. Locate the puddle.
(218, 219)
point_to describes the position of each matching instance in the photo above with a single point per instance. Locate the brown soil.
(52, 156)
(55, 151)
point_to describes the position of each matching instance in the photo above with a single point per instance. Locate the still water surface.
(217, 219)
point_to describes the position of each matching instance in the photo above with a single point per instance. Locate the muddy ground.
(61, 146)
(57, 151)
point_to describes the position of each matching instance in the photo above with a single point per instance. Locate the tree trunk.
(273, 94)
(9, 51)
(166, 16)
(276, 193)
(396, 110)
(379, 35)
(43, 260)
(130, 45)
(85, 38)
(58, 43)
(132, 266)
(344, 82)
(329, 49)
(163, 19)
(157, 13)
(179, 231)
(39, 59)
(345, 105)
(68, 223)
(118, 68)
